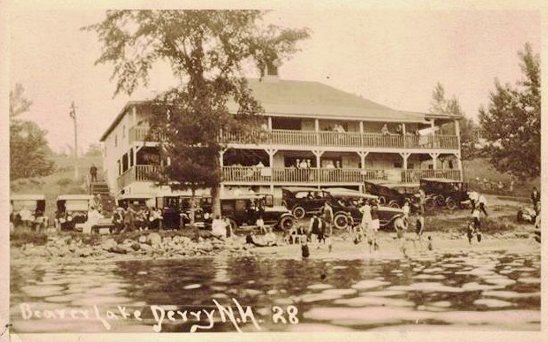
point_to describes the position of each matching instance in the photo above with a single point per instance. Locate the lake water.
(430, 290)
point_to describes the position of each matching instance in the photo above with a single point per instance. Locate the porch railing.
(294, 175)
(325, 138)
(347, 139)
(137, 173)
(414, 176)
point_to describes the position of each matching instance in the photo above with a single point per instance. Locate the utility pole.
(73, 116)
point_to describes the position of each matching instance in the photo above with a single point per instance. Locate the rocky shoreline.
(151, 246)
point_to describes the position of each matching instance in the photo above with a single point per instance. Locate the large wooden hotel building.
(317, 136)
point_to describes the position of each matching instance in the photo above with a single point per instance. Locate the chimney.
(272, 71)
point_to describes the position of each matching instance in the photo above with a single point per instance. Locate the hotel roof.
(305, 99)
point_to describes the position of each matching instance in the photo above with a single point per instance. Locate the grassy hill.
(480, 168)
(60, 182)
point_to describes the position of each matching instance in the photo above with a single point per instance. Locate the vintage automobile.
(243, 210)
(71, 210)
(445, 192)
(136, 200)
(394, 195)
(346, 211)
(176, 210)
(28, 210)
(303, 201)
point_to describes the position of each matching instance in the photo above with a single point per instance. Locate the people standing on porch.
(298, 163)
(303, 165)
(337, 164)
(384, 130)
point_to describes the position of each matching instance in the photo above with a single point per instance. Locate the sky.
(391, 57)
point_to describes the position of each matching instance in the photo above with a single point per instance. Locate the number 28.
(278, 314)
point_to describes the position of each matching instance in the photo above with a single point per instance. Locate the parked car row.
(243, 210)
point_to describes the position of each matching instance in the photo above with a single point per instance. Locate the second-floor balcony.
(250, 175)
(346, 139)
(327, 139)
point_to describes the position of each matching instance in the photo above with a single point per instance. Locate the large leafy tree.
(511, 121)
(29, 150)
(468, 129)
(209, 52)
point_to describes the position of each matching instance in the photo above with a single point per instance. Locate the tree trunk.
(216, 205)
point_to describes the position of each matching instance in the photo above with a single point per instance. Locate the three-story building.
(313, 135)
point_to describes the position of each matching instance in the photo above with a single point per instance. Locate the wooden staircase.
(108, 203)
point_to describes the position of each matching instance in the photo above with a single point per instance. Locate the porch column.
(404, 136)
(459, 165)
(404, 156)
(134, 156)
(434, 159)
(221, 161)
(361, 134)
(318, 154)
(457, 133)
(317, 129)
(362, 155)
(271, 152)
(270, 123)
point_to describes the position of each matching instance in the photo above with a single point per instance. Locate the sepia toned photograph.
(274, 170)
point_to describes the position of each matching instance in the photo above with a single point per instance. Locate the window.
(398, 165)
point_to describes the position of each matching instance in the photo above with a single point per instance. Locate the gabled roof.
(318, 100)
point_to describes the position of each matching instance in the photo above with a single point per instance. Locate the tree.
(511, 121)
(468, 129)
(94, 150)
(29, 150)
(208, 51)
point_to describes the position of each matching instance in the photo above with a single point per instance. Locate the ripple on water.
(529, 280)
(374, 301)
(383, 293)
(192, 286)
(510, 294)
(42, 291)
(499, 280)
(492, 303)
(369, 284)
(340, 292)
(317, 297)
(319, 286)
(429, 276)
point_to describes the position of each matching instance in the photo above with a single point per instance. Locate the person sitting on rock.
(118, 220)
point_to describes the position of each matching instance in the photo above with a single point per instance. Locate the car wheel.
(440, 201)
(299, 212)
(451, 203)
(233, 224)
(286, 223)
(382, 200)
(342, 221)
(394, 204)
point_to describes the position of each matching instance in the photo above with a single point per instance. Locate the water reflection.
(491, 289)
